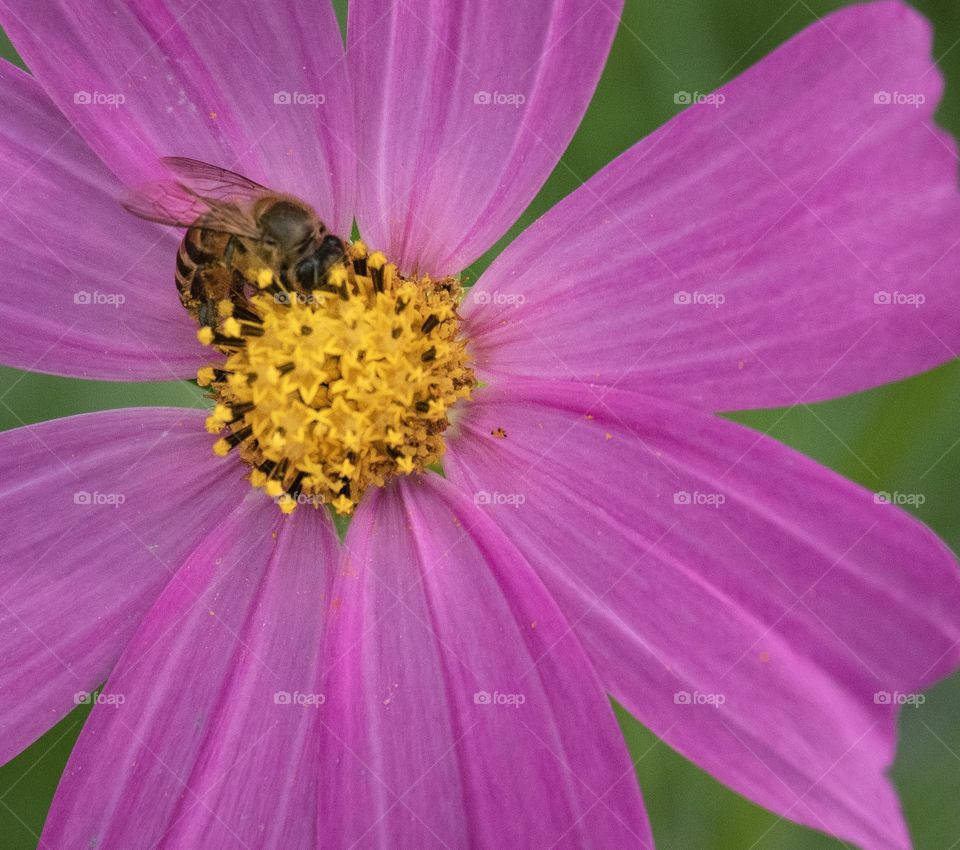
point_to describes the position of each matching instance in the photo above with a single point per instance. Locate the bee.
(235, 228)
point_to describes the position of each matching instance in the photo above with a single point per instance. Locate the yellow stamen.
(206, 376)
(231, 327)
(333, 391)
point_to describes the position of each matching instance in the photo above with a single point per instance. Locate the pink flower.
(440, 678)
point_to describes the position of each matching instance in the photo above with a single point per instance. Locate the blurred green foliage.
(900, 437)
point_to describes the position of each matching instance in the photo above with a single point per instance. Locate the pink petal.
(98, 511)
(799, 201)
(434, 612)
(442, 173)
(201, 80)
(87, 290)
(696, 557)
(203, 751)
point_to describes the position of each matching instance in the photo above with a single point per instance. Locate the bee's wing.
(212, 182)
(167, 202)
(223, 200)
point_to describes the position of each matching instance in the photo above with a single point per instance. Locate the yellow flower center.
(327, 393)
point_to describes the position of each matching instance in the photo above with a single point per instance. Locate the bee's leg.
(313, 271)
(238, 287)
(234, 246)
(197, 286)
(210, 286)
(311, 274)
(207, 314)
(285, 281)
(331, 252)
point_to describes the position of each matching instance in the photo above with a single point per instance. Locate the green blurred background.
(902, 437)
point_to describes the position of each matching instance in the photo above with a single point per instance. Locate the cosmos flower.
(440, 677)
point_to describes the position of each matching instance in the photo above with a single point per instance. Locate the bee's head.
(286, 224)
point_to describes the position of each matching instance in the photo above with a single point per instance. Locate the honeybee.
(235, 228)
